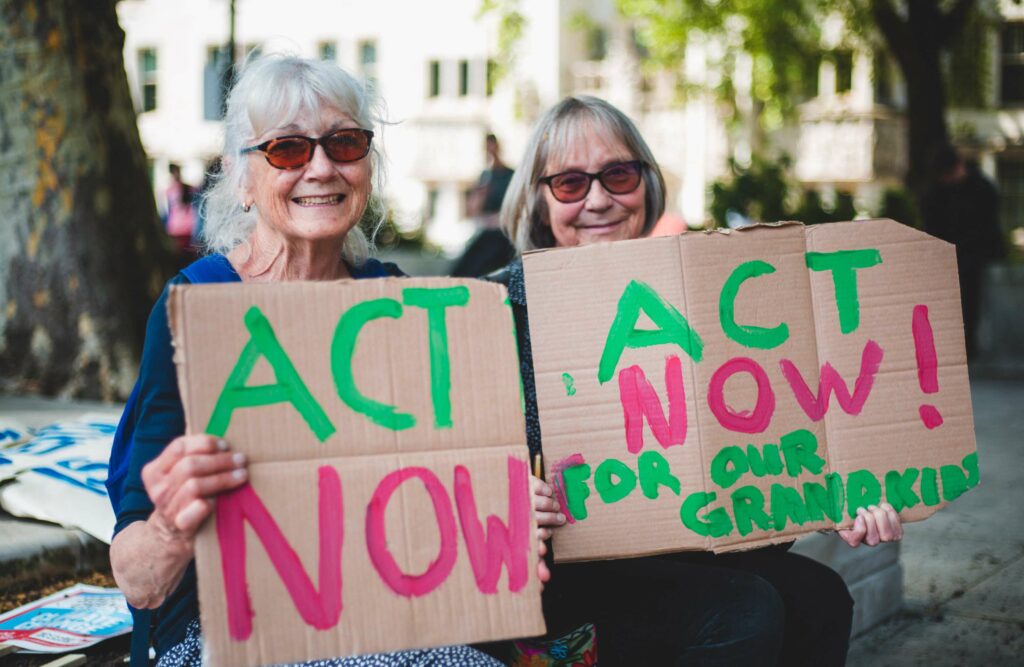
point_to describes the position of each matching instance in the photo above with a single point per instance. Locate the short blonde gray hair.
(524, 211)
(271, 92)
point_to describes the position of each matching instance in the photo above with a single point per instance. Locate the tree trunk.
(82, 254)
(926, 95)
(917, 42)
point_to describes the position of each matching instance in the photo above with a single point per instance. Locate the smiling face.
(601, 215)
(322, 200)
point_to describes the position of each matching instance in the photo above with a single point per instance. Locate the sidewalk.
(963, 568)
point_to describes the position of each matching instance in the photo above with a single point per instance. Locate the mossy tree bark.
(82, 255)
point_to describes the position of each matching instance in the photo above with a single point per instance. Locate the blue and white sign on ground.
(57, 474)
(71, 619)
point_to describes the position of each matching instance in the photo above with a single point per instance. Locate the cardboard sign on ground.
(389, 501)
(718, 391)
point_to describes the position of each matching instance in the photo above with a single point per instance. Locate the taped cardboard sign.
(389, 503)
(719, 391)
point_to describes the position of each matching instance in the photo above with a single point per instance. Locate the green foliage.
(899, 205)
(782, 36)
(757, 192)
(511, 24)
(765, 192)
(968, 79)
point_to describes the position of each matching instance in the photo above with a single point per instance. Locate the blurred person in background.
(587, 176)
(178, 216)
(962, 207)
(489, 249)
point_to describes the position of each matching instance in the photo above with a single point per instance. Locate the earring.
(246, 207)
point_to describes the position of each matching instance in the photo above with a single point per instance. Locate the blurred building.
(434, 64)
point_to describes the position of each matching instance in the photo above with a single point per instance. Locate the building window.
(1011, 192)
(368, 60)
(492, 76)
(844, 70)
(463, 78)
(597, 43)
(147, 78)
(434, 89)
(1012, 63)
(882, 78)
(433, 195)
(214, 83)
(327, 51)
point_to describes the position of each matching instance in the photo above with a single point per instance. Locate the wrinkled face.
(600, 215)
(319, 201)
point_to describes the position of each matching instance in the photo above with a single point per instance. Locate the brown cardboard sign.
(389, 502)
(722, 390)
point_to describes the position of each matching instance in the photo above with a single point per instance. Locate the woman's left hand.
(545, 507)
(874, 525)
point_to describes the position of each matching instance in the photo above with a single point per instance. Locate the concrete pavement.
(964, 567)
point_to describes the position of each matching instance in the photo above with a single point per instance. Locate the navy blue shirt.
(159, 418)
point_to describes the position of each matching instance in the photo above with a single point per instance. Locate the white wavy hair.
(271, 92)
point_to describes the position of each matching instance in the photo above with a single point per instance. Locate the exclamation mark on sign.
(927, 364)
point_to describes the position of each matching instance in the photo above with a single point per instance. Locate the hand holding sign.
(874, 525)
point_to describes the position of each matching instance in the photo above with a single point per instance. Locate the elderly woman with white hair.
(299, 166)
(587, 176)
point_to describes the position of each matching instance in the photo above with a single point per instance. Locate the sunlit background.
(451, 71)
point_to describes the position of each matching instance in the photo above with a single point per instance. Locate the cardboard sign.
(724, 390)
(389, 500)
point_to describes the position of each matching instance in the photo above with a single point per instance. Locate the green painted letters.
(825, 500)
(799, 448)
(761, 338)
(343, 346)
(843, 265)
(764, 461)
(899, 488)
(574, 480)
(672, 328)
(614, 491)
(717, 523)
(655, 472)
(929, 487)
(748, 507)
(862, 489)
(954, 482)
(970, 464)
(787, 504)
(435, 301)
(288, 388)
(721, 473)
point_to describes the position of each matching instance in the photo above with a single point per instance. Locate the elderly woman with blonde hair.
(588, 176)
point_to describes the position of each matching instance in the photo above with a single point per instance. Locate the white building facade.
(432, 63)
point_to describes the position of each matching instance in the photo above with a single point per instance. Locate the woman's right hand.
(184, 480)
(149, 557)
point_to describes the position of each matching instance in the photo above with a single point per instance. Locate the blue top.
(159, 418)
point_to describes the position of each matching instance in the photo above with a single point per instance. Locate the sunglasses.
(570, 187)
(295, 151)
